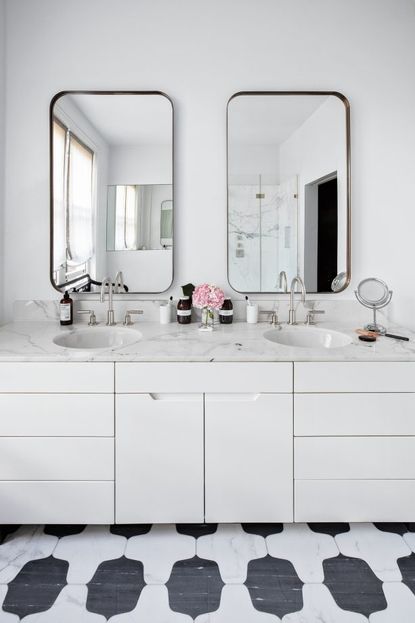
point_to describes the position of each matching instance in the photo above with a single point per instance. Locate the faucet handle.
(272, 314)
(92, 318)
(127, 320)
(310, 316)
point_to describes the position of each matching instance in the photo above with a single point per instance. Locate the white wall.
(144, 164)
(200, 53)
(2, 147)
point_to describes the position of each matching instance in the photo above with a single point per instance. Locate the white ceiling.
(269, 119)
(128, 119)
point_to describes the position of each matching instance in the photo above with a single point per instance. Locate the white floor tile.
(158, 550)
(236, 607)
(27, 543)
(320, 607)
(379, 549)
(401, 605)
(87, 550)
(68, 608)
(232, 548)
(409, 538)
(6, 617)
(304, 548)
(152, 607)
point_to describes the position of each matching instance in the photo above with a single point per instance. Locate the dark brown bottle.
(226, 312)
(66, 309)
(184, 310)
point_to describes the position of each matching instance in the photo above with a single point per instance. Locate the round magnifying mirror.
(339, 282)
(375, 294)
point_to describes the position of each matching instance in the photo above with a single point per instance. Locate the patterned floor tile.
(152, 607)
(353, 585)
(236, 607)
(195, 586)
(159, 550)
(61, 531)
(401, 605)
(263, 529)
(26, 544)
(407, 568)
(320, 607)
(329, 528)
(232, 548)
(36, 586)
(274, 586)
(129, 530)
(6, 617)
(85, 551)
(409, 538)
(379, 549)
(68, 608)
(396, 528)
(304, 548)
(196, 530)
(115, 587)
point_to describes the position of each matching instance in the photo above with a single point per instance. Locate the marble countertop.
(33, 341)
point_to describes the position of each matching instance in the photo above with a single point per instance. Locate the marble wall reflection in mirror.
(288, 190)
(112, 190)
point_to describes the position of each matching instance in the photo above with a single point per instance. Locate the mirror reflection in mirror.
(112, 190)
(288, 201)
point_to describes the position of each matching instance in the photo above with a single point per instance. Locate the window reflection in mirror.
(112, 190)
(288, 198)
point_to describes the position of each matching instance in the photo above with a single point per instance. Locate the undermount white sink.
(308, 337)
(97, 338)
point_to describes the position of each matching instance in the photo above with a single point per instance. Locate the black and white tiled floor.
(231, 573)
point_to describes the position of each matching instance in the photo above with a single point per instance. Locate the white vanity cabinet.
(354, 448)
(203, 442)
(56, 442)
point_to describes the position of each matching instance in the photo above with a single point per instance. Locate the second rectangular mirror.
(288, 190)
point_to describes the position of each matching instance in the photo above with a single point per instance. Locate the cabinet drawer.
(354, 500)
(350, 376)
(354, 457)
(56, 458)
(56, 502)
(202, 377)
(354, 414)
(61, 377)
(56, 415)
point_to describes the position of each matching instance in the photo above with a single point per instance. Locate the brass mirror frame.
(53, 101)
(346, 103)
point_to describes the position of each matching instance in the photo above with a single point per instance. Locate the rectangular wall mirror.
(111, 190)
(288, 190)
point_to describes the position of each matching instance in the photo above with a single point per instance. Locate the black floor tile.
(274, 586)
(330, 528)
(36, 587)
(196, 529)
(129, 530)
(263, 529)
(61, 531)
(353, 585)
(396, 528)
(407, 568)
(195, 586)
(115, 587)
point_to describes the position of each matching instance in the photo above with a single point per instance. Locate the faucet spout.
(107, 287)
(297, 281)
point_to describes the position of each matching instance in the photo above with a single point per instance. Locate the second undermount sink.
(308, 337)
(97, 338)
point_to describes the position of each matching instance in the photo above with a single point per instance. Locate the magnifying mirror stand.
(374, 326)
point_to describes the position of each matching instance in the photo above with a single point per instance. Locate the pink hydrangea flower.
(208, 295)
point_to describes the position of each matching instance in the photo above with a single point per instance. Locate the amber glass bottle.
(184, 310)
(226, 312)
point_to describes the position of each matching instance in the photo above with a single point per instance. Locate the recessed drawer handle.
(176, 397)
(233, 397)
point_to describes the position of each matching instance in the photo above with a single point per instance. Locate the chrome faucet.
(292, 313)
(107, 283)
(282, 279)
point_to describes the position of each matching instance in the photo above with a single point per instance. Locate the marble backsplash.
(335, 310)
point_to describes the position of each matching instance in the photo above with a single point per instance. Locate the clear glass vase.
(208, 318)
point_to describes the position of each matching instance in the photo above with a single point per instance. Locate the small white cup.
(252, 313)
(165, 313)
